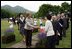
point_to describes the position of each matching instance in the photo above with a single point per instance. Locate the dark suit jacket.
(67, 23)
(56, 26)
(60, 21)
(64, 22)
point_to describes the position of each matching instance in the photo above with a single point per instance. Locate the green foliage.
(42, 42)
(7, 13)
(66, 7)
(53, 9)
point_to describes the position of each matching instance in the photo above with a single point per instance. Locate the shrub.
(42, 38)
(8, 32)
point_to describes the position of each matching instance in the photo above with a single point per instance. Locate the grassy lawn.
(65, 43)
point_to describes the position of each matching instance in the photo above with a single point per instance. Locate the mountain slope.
(18, 9)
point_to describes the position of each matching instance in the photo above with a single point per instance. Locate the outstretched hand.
(36, 27)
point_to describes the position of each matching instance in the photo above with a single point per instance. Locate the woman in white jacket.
(50, 32)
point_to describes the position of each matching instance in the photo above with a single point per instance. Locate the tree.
(44, 9)
(66, 7)
(7, 13)
(48, 8)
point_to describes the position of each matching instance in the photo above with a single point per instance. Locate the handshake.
(36, 27)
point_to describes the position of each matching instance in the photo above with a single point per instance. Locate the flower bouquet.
(8, 36)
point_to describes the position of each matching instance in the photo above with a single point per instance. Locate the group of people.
(25, 27)
(55, 28)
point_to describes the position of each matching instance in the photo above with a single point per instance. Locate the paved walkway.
(23, 44)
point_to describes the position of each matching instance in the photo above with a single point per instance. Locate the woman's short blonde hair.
(28, 13)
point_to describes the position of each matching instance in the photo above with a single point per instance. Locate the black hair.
(48, 16)
(20, 14)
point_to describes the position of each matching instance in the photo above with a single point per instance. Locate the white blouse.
(49, 28)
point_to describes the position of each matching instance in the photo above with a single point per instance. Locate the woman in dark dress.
(21, 25)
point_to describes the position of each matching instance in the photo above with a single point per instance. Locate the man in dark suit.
(55, 28)
(67, 18)
(61, 25)
(64, 24)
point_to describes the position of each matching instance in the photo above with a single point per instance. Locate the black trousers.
(51, 42)
(28, 34)
(60, 37)
(64, 32)
(57, 40)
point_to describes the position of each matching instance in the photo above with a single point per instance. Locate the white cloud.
(31, 5)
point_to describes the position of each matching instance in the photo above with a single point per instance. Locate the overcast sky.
(31, 5)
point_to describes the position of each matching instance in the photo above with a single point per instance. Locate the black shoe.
(60, 38)
(57, 43)
(64, 36)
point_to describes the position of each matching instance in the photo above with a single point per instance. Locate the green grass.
(65, 43)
